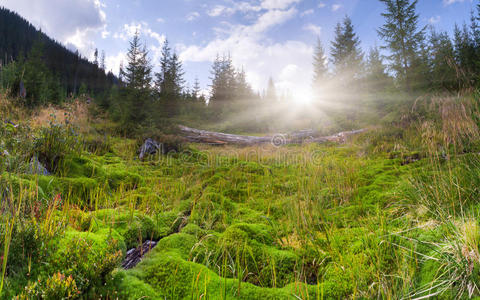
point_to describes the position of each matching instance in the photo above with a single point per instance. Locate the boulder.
(150, 147)
(134, 256)
(37, 168)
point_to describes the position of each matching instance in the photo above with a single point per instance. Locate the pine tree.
(175, 76)
(320, 69)
(223, 80)
(102, 61)
(271, 94)
(138, 72)
(160, 81)
(95, 57)
(121, 72)
(402, 37)
(464, 53)
(243, 89)
(169, 82)
(377, 76)
(442, 61)
(136, 95)
(347, 57)
(36, 77)
(196, 89)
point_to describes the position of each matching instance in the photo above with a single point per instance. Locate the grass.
(390, 214)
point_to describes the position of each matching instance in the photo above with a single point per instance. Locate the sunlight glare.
(302, 97)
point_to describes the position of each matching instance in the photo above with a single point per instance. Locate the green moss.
(74, 166)
(134, 227)
(117, 178)
(127, 286)
(259, 232)
(81, 187)
(176, 278)
(193, 229)
(180, 243)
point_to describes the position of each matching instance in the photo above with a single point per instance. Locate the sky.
(267, 38)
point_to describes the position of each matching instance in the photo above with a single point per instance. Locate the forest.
(139, 185)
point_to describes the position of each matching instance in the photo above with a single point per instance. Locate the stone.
(37, 168)
(150, 147)
(134, 256)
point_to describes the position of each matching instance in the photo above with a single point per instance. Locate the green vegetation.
(392, 213)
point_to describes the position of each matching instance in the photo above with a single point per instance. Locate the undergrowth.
(393, 213)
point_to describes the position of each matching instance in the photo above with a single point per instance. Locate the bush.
(58, 286)
(54, 143)
(87, 260)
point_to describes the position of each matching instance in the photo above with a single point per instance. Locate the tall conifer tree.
(402, 38)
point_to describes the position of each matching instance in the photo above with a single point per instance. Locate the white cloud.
(434, 20)
(336, 7)
(449, 2)
(219, 10)
(288, 62)
(160, 20)
(245, 7)
(143, 29)
(321, 5)
(272, 18)
(307, 12)
(192, 16)
(317, 30)
(112, 62)
(74, 23)
(278, 4)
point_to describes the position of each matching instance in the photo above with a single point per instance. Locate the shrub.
(88, 261)
(54, 143)
(58, 286)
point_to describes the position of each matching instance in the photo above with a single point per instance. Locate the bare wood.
(304, 136)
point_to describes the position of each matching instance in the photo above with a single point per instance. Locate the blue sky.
(265, 37)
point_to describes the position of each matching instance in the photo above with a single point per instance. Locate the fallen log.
(134, 256)
(193, 135)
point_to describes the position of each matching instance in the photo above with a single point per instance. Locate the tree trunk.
(304, 136)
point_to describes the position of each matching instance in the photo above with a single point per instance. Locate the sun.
(302, 98)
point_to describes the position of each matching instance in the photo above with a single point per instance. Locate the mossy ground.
(296, 222)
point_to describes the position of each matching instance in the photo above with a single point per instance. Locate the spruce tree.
(377, 78)
(102, 61)
(169, 82)
(347, 57)
(138, 71)
(464, 53)
(223, 80)
(160, 78)
(442, 61)
(95, 57)
(320, 69)
(402, 38)
(271, 94)
(243, 89)
(196, 89)
(136, 94)
(175, 76)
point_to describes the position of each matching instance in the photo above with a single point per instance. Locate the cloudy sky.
(266, 37)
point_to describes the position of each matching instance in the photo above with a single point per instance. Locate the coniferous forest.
(137, 184)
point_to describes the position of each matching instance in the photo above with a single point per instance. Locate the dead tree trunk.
(304, 136)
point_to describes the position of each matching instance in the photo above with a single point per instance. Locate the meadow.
(392, 213)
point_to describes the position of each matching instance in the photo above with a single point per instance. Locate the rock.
(36, 167)
(134, 256)
(150, 147)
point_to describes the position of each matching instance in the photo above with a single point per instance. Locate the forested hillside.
(39, 59)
